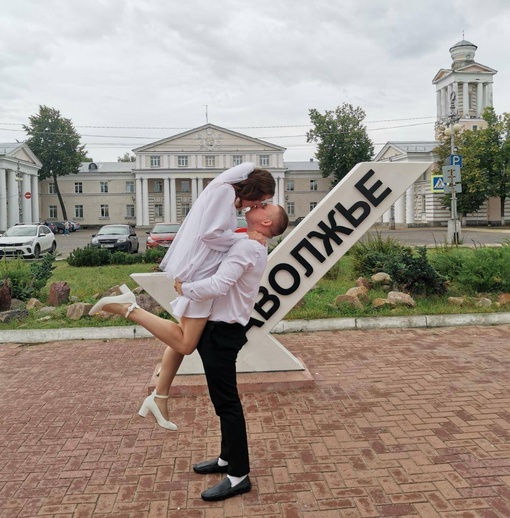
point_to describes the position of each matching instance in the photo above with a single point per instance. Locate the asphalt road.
(425, 236)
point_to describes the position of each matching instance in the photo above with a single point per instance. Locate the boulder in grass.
(361, 292)
(59, 293)
(504, 299)
(348, 300)
(382, 303)
(13, 314)
(78, 310)
(401, 299)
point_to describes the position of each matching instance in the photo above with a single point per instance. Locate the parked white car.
(27, 241)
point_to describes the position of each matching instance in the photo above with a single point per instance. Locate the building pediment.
(208, 138)
(19, 151)
(477, 68)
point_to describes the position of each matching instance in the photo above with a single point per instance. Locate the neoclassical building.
(19, 185)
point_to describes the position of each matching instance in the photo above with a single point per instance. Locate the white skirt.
(184, 307)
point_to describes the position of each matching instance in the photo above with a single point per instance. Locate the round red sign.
(28, 195)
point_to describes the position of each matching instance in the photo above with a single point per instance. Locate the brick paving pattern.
(400, 423)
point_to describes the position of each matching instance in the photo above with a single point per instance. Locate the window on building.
(158, 185)
(290, 185)
(313, 204)
(182, 161)
(51, 188)
(103, 187)
(78, 187)
(78, 211)
(185, 185)
(155, 161)
(186, 207)
(475, 127)
(237, 159)
(264, 160)
(291, 208)
(130, 211)
(158, 210)
(53, 211)
(210, 161)
(313, 185)
(130, 186)
(105, 211)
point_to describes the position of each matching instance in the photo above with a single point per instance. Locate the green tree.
(56, 143)
(126, 158)
(342, 140)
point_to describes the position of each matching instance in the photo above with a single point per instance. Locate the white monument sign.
(346, 213)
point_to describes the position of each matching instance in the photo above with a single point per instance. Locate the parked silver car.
(121, 238)
(27, 241)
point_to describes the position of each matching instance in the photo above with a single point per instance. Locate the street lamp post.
(454, 227)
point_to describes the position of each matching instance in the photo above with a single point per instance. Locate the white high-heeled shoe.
(149, 405)
(126, 297)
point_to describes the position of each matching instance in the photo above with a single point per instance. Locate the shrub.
(125, 258)
(154, 255)
(89, 256)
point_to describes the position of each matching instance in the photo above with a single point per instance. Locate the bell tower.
(465, 88)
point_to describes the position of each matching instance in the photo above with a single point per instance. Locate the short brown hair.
(280, 222)
(259, 183)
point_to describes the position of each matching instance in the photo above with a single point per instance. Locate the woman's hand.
(257, 236)
(178, 287)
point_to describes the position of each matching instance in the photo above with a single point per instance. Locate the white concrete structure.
(19, 185)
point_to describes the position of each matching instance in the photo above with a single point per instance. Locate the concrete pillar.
(387, 216)
(173, 200)
(410, 206)
(200, 188)
(139, 202)
(479, 99)
(166, 198)
(490, 99)
(34, 179)
(3, 199)
(145, 201)
(281, 191)
(400, 211)
(26, 204)
(465, 99)
(12, 199)
(193, 190)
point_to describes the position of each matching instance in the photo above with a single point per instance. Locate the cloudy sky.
(128, 72)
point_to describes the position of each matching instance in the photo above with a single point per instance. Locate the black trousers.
(218, 348)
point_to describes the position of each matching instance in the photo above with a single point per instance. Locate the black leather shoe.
(224, 490)
(209, 466)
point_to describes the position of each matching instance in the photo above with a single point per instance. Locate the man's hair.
(280, 222)
(259, 183)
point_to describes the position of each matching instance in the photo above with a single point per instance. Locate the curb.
(33, 336)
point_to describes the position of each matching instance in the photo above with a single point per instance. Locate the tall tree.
(56, 144)
(126, 158)
(342, 140)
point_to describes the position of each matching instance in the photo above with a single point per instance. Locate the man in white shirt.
(234, 288)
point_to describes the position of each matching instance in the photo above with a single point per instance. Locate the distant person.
(67, 228)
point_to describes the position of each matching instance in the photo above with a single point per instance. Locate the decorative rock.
(381, 303)
(44, 319)
(456, 301)
(78, 310)
(47, 309)
(381, 278)
(34, 303)
(13, 314)
(401, 299)
(360, 292)
(484, 303)
(363, 281)
(504, 299)
(59, 293)
(17, 304)
(5, 296)
(145, 301)
(348, 300)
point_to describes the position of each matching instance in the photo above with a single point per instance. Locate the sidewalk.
(399, 422)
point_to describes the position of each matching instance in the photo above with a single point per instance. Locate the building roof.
(415, 147)
(7, 147)
(305, 165)
(107, 167)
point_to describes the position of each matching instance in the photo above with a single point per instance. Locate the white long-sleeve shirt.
(205, 235)
(234, 287)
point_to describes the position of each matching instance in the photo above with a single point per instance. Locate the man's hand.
(178, 287)
(257, 236)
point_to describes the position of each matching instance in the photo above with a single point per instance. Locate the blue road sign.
(455, 160)
(437, 183)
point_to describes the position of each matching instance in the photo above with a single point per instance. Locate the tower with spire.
(466, 86)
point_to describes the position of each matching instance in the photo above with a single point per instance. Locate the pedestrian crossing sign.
(437, 183)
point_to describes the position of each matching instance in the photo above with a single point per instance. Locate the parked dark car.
(297, 221)
(162, 234)
(120, 238)
(57, 227)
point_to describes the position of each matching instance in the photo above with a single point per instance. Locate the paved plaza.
(399, 422)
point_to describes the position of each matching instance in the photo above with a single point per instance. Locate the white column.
(166, 198)
(173, 200)
(479, 99)
(12, 199)
(438, 103)
(410, 206)
(35, 198)
(386, 217)
(26, 204)
(145, 201)
(193, 190)
(455, 90)
(3, 200)
(400, 210)
(281, 192)
(139, 202)
(444, 110)
(200, 181)
(465, 99)
(490, 100)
